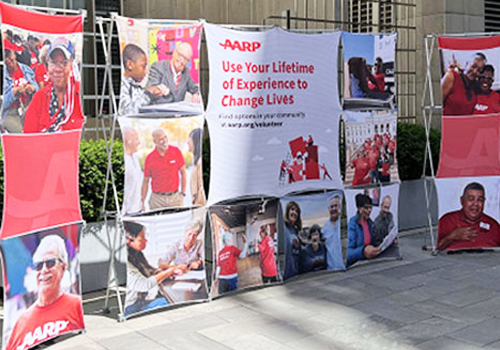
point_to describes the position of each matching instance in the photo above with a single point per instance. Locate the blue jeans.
(142, 305)
(227, 285)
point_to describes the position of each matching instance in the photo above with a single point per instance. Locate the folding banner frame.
(430, 108)
(106, 27)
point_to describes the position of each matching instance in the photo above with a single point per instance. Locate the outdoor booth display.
(41, 128)
(276, 191)
(467, 178)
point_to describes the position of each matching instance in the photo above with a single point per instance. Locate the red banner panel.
(470, 146)
(41, 181)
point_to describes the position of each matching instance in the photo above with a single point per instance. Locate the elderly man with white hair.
(227, 263)
(55, 312)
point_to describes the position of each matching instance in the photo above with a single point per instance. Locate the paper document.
(186, 286)
(389, 239)
(191, 275)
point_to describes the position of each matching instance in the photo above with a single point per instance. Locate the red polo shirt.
(267, 257)
(487, 228)
(228, 260)
(164, 170)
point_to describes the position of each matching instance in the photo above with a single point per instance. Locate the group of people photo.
(467, 87)
(41, 82)
(163, 164)
(167, 81)
(159, 275)
(371, 162)
(245, 242)
(312, 233)
(367, 229)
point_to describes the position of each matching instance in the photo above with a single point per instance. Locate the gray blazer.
(160, 73)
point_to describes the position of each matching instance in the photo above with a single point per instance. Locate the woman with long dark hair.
(293, 225)
(142, 278)
(196, 182)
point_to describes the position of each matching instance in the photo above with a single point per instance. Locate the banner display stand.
(430, 107)
(106, 26)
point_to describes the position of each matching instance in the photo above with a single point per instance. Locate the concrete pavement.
(421, 302)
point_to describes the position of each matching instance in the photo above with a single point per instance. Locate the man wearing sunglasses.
(173, 77)
(487, 100)
(55, 312)
(57, 106)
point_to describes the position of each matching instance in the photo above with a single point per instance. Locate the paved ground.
(422, 302)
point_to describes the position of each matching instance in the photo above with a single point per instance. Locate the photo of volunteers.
(160, 72)
(369, 70)
(163, 167)
(166, 260)
(470, 77)
(370, 148)
(41, 84)
(372, 227)
(245, 243)
(42, 286)
(312, 233)
(468, 213)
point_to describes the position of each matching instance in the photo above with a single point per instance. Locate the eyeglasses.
(50, 263)
(60, 64)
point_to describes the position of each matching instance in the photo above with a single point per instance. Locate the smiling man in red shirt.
(469, 227)
(163, 166)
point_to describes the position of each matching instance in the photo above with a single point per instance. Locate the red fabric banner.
(482, 43)
(470, 146)
(41, 181)
(40, 22)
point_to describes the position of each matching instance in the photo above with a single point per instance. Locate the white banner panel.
(273, 112)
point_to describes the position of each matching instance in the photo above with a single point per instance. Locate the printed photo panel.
(470, 75)
(370, 140)
(165, 260)
(245, 245)
(163, 163)
(41, 181)
(42, 289)
(273, 112)
(41, 75)
(470, 146)
(160, 66)
(312, 233)
(469, 213)
(369, 61)
(372, 227)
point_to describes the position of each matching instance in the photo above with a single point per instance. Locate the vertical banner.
(41, 74)
(470, 146)
(166, 260)
(162, 163)
(370, 147)
(245, 242)
(312, 233)
(42, 293)
(468, 213)
(41, 181)
(470, 70)
(273, 112)
(372, 227)
(369, 70)
(160, 66)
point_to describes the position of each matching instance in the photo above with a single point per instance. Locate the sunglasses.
(485, 77)
(50, 263)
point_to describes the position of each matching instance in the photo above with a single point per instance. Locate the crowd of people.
(169, 80)
(372, 162)
(41, 90)
(468, 91)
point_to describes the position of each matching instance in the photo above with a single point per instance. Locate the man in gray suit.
(173, 78)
